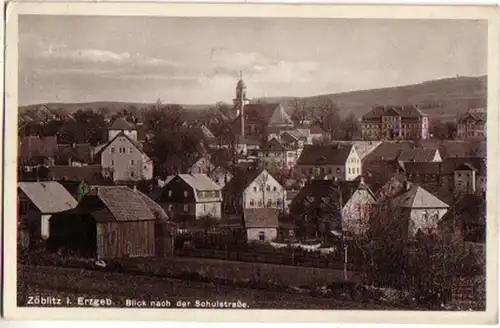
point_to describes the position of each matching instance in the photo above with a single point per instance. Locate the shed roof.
(49, 196)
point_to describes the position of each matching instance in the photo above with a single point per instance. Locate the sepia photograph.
(250, 162)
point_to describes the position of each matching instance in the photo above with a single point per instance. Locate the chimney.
(135, 188)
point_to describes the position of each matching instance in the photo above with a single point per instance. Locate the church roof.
(280, 117)
(417, 197)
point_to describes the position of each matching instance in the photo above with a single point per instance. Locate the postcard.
(242, 162)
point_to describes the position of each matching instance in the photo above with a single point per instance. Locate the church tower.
(240, 101)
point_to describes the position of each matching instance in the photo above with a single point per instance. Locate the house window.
(185, 193)
(268, 188)
(131, 150)
(186, 207)
(204, 207)
(338, 171)
(459, 174)
(170, 207)
(112, 149)
(262, 236)
(275, 189)
(112, 162)
(330, 170)
(169, 193)
(252, 202)
(255, 189)
(269, 202)
(260, 202)
(132, 162)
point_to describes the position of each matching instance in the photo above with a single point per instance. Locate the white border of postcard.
(15, 9)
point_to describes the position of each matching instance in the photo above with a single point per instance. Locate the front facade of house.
(124, 160)
(333, 162)
(203, 166)
(395, 122)
(262, 234)
(357, 211)
(264, 192)
(277, 155)
(261, 224)
(192, 196)
(469, 180)
(472, 125)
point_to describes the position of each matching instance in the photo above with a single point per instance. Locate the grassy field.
(65, 282)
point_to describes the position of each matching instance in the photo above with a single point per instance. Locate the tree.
(350, 127)
(328, 117)
(300, 112)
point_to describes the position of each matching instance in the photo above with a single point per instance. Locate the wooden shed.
(112, 222)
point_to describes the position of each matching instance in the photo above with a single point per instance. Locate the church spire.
(240, 101)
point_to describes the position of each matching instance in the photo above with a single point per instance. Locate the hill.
(440, 99)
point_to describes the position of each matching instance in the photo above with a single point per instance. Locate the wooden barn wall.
(126, 239)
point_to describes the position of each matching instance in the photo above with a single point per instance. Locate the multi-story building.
(191, 196)
(337, 161)
(278, 155)
(395, 122)
(255, 189)
(472, 124)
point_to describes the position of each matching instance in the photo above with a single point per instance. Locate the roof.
(387, 151)
(450, 165)
(121, 134)
(319, 191)
(404, 111)
(241, 180)
(48, 197)
(417, 155)
(153, 206)
(77, 152)
(478, 116)
(121, 124)
(280, 117)
(422, 167)
(274, 145)
(261, 217)
(265, 114)
(75, 173)
(335, 154)
(417, 197)
(199, 181)
(32, 146)
(125, 204)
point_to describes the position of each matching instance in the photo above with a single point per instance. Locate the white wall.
(270, 234)
(356, 219)
(425, 219)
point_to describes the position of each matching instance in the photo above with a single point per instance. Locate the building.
(472, 124)
(74, 154)
(410, 208)
(37, 150)
(112, 222)
(470, 179)
(220, 175)
(395, 122)
(123, 159)
(278, 155)
(37, 203)
(121, 125)
(261, 224)
(253, 189)
(257, 121)
(328, 199)
(419, 155)
(200, 165)
(337, 161)
(188, 197)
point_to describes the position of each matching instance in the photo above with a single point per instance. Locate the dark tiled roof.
(405, 111)
(451, 164)
(125, 204)
(35, 146)
(241, 180)
(387, 151)
(335, 154)
(319, 191)
(77, 152)
(417, 197)
(90, 173)
(261, 217)
(417, 155)
(477, 116)
(422, 168)
(122, 124)
(274, 145)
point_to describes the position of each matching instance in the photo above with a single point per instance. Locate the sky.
(198, 60)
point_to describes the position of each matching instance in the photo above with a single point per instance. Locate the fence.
(300, 258)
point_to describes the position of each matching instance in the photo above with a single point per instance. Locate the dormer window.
(185, 193)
